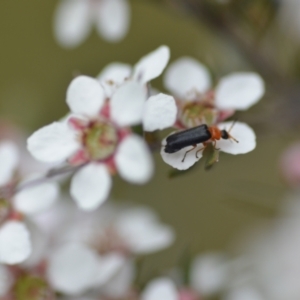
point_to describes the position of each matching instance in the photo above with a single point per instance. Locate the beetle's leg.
(194, 146)
(199, 151)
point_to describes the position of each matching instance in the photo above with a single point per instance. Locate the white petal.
(121, 283)
(243, 133)
(9, 158)
(72, 268)
(127, 104)
(114, 75)
(90, 186)
(209, 273)
(85, 96)
(142, 231)
(109, 265)
(112, 19)
(53, 143)
(160, 112)
(6, 281)
(134, 161)
(239, 91)
(175, 159)
(151, 65)
(161, 288)
(36, 199)
(72, 22)
(15, 244)
(186, 76)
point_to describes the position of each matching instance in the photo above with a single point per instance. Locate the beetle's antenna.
(232, 125)
(230, 136)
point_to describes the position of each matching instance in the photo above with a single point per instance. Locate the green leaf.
(211, 156)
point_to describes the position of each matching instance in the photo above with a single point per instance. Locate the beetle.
(196, 135)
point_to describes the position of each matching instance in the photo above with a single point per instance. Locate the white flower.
(186, 78)
(209, 273)
(240, 131)
(15, 243)
(97, 133)
(160, 288)
(142, 232)
(113, 234)
(73, 20)
(72, 268)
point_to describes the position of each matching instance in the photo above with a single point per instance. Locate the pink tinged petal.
(72, 268)
(209, 273)
(109, 265)
(161, 288)
(114, 75)
(121, 283)
(143, 232)
(53, 143)
(175, 159)
(90, 186)
(239, 91)
(134, 161)
(186, 76)
(85, 96)
(151, 65)
(113, 19)
(72, 22)
(241, 132)
(36, 199)
(6, 280)
(160, 112)
(9, 159)
(127, 104)
(15, 244)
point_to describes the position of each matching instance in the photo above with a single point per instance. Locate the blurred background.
(208, 209)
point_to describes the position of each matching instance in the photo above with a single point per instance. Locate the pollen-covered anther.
(100, 140)
(196, 113)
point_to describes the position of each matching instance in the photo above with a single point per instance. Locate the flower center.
(195, 113)
(100, 140)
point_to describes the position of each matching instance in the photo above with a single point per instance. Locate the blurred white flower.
(109, 238)
(208, 277)
(73, 20)
(240, 131)
(209, 273)
(268, 266)
(15, 244)
(160, 288)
